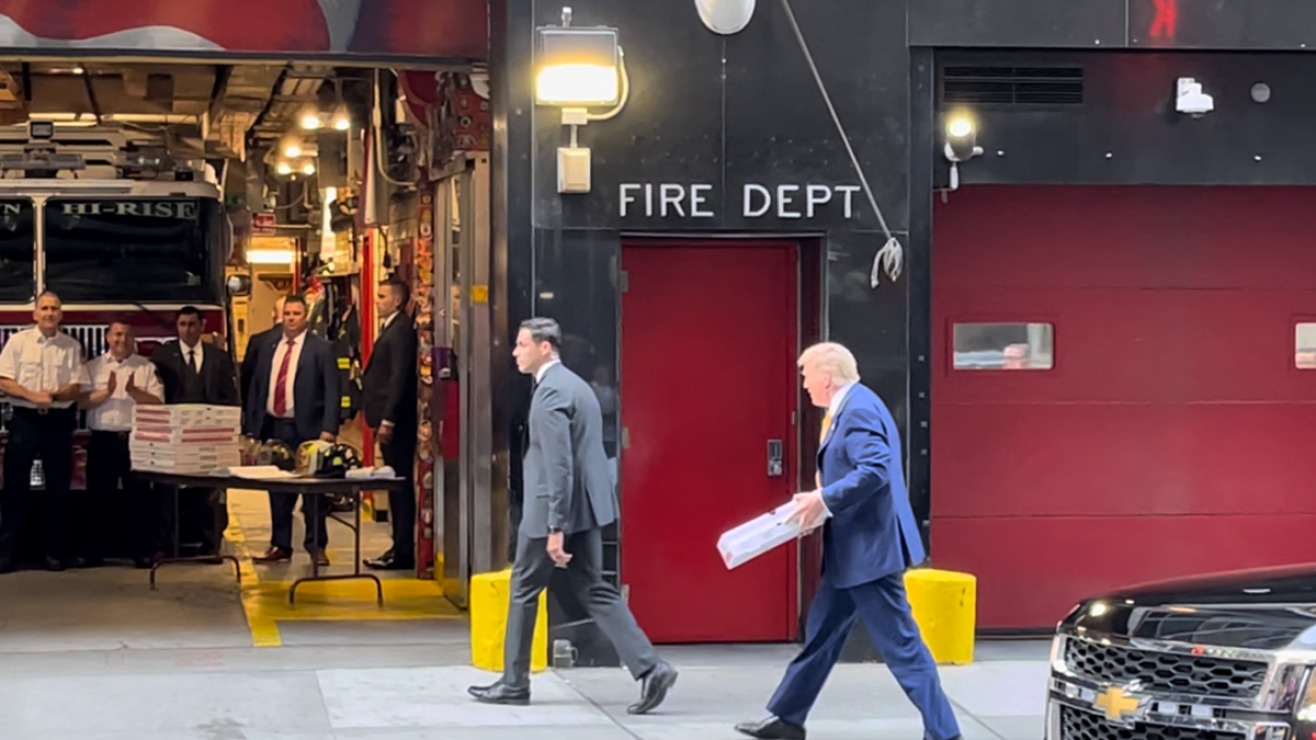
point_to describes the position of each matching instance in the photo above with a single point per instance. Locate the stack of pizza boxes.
(185, 438)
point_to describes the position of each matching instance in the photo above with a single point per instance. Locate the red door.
(1165, 426)
(708, 347)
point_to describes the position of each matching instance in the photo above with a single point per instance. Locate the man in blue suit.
(293, 398)
(869, 540)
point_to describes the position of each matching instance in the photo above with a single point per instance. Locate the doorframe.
(810, 328)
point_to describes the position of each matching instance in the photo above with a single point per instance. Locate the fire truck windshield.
(17, 251)
(100, 250)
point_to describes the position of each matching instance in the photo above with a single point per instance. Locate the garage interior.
(333, 176)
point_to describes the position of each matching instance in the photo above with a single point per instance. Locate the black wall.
(723, 112)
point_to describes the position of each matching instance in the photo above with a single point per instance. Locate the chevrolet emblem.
(1118, 704)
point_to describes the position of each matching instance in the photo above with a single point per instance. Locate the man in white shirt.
(120, 379)
(42, 372)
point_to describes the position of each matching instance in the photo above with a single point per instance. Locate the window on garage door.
(1304, 345)
(1004, 346)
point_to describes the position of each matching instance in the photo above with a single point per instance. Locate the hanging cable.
(891, 256)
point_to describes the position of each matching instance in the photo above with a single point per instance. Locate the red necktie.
(281, 385)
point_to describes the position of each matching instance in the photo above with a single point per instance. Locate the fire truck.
(119, 228)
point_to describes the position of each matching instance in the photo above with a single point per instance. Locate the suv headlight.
(1306, 709)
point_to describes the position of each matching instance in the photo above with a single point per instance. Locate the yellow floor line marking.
(264, 630)
(265, 602)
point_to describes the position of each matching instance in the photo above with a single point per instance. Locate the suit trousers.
(110, 487)
(315, 510)
(48, 435)
(400, 454)
(885, 610)
(530, 576)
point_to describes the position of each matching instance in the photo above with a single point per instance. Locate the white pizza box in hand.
(747, 541)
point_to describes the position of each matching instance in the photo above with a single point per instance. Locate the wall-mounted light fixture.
(578, 68)
(961, 143)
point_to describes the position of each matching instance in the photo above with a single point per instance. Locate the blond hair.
(833, 359)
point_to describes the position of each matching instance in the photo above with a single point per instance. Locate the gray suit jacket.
(567, 485)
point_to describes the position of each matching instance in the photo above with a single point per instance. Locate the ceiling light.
(292, 150)
(284, 168)
(311, 121)
(308, 168)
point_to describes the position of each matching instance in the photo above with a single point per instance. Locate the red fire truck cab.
(117, 228)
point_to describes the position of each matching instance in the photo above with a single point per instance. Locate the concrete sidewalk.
(400, 692)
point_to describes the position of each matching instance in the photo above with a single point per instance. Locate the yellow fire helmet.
(309, 455)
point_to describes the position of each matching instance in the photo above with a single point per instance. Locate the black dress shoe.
(389, 561)
(500, 693)
(273, 555)
(772, 728)
(653, 688)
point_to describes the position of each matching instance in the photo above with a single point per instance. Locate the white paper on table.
(259, 472)
(747, 541)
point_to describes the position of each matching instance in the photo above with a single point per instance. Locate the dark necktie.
(191, 359)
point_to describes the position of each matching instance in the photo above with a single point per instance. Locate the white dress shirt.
(539, 374)
(832, 409)
(116, 414)
(198, 351)
(280, 350)
(40, 363)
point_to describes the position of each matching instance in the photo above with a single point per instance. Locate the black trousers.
(314, 508)
(111, 488)
(48, 435)
(400, 454)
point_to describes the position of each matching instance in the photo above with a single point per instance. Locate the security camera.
(1191, 100)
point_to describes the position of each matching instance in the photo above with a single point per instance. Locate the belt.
(40, 412)
(111, 433)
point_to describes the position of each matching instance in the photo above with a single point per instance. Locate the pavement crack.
(590, 700)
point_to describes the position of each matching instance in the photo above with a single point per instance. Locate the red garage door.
(1124, 388)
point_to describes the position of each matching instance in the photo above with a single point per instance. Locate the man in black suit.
(193, 371)
(294, 398)
(248, 368)
(389, 387)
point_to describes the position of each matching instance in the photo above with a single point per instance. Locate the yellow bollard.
(945, 605)
(490, 593)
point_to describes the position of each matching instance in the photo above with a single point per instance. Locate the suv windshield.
(17, 251)
(132, 249)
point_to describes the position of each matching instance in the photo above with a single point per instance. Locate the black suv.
(1227, 656)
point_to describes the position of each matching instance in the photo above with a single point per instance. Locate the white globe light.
(725, 16)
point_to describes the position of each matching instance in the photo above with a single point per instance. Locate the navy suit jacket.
(871, 533)
(316, 394)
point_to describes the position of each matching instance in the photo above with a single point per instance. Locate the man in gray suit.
(569, 499)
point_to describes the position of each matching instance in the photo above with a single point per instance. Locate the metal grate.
(1012, 85)
(1079, 725)
(1166, 672)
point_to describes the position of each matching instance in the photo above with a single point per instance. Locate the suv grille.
(1079, 725)
(1166, 672)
